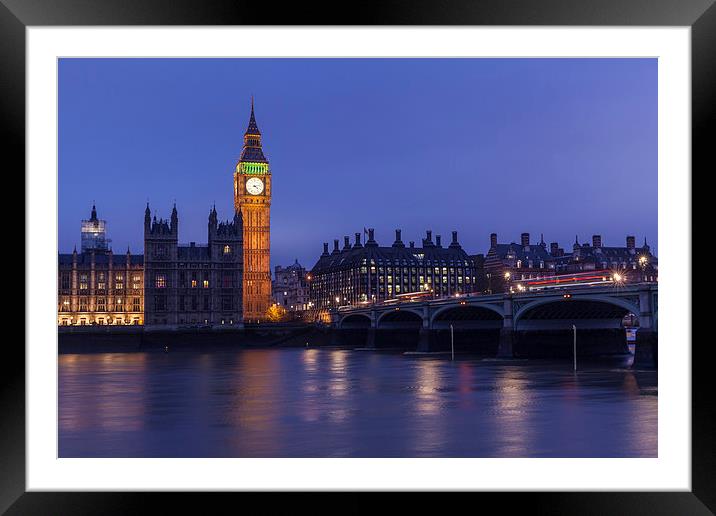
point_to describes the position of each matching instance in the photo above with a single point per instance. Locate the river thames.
(295, 402)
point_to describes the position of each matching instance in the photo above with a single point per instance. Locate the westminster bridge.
(528, 324)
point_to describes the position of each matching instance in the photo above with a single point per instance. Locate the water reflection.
(513, 400)
(95, 392)
(337, 402)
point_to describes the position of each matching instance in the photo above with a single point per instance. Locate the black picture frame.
(700, 15)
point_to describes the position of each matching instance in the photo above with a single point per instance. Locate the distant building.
(96, 286)
(193, 284)
(513, 261)
(638, 263)
(290, 287)
(367, 273)
(506, 263)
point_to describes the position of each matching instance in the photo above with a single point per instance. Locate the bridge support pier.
(504, 348)
(334, 341)
(370, 338)
(424, 340)
(646, 352)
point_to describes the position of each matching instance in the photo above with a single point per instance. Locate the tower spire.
(253, 128)
(252, 151)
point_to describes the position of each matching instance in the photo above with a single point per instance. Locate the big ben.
(252, 198)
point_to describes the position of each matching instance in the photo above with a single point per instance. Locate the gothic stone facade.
(193, 284)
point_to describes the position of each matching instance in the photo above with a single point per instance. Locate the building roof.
(587, 252)
(416, 256)
(514, 251)
(100, 258)
(295, 266)
(253, 154)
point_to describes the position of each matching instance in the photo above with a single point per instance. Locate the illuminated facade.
(97, 287)
(369, 273)
(252, 198)
(189, 285)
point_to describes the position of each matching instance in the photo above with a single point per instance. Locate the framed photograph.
(416, 249)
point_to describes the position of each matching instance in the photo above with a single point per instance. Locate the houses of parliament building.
(221, 283)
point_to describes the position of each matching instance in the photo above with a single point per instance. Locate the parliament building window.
(160, 281)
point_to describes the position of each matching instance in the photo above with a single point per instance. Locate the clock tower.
(252, 197)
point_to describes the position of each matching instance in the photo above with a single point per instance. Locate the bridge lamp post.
(574, 346)
(452, 343)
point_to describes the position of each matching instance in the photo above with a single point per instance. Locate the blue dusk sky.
(562, 147)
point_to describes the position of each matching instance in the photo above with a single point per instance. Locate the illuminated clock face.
(254, 186)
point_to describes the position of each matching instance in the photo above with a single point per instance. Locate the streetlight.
(574, 348)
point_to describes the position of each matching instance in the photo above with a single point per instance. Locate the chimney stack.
(412, 244)
(357, 242)
(553, 248)
(346, 243)
(454, 244)
(371, 238)
(596, 240)
(335, 246)
(525, 239)
(630, 242)
(398, 242)
(325, 249)
(493, 240)
(437, 240)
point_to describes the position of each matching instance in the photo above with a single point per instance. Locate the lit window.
(206, 283)
(160, 281)
(227, 249)
(193, 283)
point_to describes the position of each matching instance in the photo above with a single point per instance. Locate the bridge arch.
(468, 316)
(400, 318)
(355, 321)
(593, 308)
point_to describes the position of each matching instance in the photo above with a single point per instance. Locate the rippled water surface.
(343, 403)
